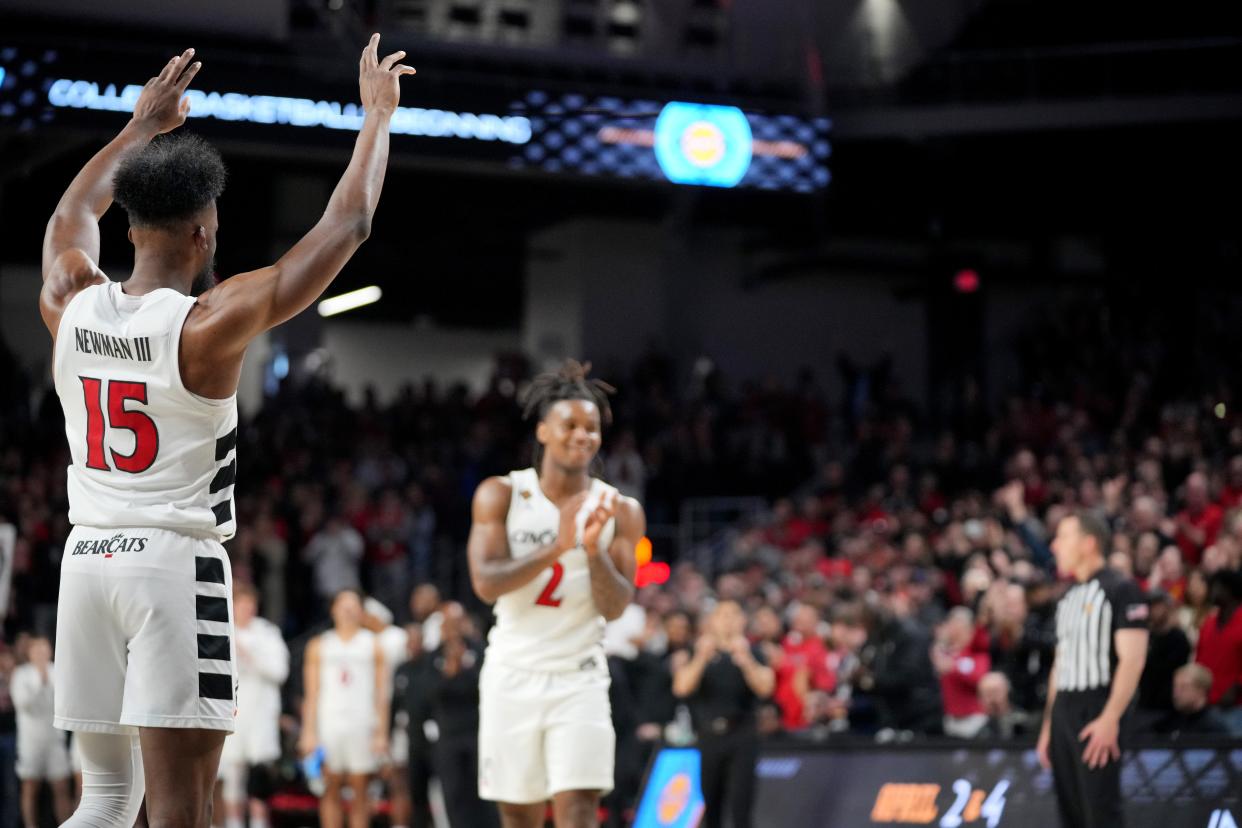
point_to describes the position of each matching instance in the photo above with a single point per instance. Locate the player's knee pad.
(112, 781)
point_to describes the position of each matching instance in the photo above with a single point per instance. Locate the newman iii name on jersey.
(117, 347)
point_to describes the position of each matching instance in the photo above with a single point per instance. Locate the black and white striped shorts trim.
(215, 646)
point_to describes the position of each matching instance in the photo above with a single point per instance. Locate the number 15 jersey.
(551, 624)
(146, 451)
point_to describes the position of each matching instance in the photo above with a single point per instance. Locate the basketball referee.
(1101, 647)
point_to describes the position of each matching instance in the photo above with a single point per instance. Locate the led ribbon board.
(697, 144)
(298, 112)
(685, 143)
(967, 785)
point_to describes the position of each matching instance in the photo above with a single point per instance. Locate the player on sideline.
(147, 376)
(553, 549)
(246, 761)
(41, 752)
(345, 709)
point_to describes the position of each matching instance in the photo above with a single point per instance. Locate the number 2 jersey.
(146, 451)
(551, 624)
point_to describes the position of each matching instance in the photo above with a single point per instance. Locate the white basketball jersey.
(551, 624)
(33, 702)
(146, 451)
(347, 680)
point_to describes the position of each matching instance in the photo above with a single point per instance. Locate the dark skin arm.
(71, 242)
(612, 573)
(493, 571)
(230, 315)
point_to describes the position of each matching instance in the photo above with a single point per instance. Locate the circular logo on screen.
(674, 798)
(703, 144)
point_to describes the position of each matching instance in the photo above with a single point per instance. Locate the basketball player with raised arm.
(147, 374)
(553, 549)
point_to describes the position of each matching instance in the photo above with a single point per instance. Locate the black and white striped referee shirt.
(1087, 617)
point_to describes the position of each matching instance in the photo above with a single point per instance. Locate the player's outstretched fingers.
(168, 68)
(175, 66)
(371, 53)
(388, 62)
(188, 75)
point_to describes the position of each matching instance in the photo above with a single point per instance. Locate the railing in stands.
(708, 525)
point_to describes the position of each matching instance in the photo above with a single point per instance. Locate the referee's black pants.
(1086, 798)
(728, 774)
(456, 763)
(419, 781)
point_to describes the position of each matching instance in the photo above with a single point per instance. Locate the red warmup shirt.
(960, 686)
(1229, 498)
(1208, 521)
(787, 697)
(796, 532)
(811, 653)
(1220, 650)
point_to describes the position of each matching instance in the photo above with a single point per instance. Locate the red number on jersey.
(545, 598)
(146, 435)
(94, 425)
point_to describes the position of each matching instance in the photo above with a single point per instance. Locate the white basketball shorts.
(42, 756)
(347, 747)
(252, 743)
(543, 733)
(144, 633)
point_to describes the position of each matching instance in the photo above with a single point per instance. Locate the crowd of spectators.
(901, 583)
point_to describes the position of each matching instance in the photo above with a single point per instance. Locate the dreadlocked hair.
(570, 382)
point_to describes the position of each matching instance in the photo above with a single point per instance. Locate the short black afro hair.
(168, 180)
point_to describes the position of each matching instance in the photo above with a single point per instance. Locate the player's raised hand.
(379, 80)
(567, 531)
(162, 104)
(596, 521)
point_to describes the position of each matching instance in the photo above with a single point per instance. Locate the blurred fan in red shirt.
(1220, 640)
(960, 656)
(1199, 523)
